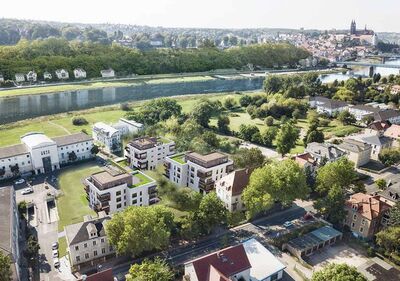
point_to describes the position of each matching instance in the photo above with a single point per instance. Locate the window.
(354, 217)
(134, 202)
(76, 248)
(103, 250)
(363, 222)
(94, 243)
(361, 229)
(118, 193)
(102, 240)
(78, 258)
(352, 224)
(94, 253)
(134, 195)
(86, 256)
(119, 205)
(85, 245)
(118, 199)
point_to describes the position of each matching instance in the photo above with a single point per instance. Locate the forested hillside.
(53, 53)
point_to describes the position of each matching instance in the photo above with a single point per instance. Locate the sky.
(382, 15)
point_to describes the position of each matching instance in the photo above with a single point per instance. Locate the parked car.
(20, 181)
(56, 262)
(55, 253)
(288, 224)
(27, 190)
(54, 246)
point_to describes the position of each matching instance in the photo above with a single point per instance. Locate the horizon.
(225, 14)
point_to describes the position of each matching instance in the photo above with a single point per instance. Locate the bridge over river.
(372, 66)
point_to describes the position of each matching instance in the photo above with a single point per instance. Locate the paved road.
(179, 256)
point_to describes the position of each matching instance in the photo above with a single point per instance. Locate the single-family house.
(248, 261)
(19, 77)
(376, 142)
(107, 73)
(62, 74)
(324, 152)
(357, 151)
(230, 188)
(377, 128)
(79, 73)
(393, 132)
(31, 76)
(391, 115)
(362, 111)
(327, 106)
(366, 214)
(47, 76)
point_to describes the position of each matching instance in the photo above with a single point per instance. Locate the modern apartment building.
(112, 190)
(199, 172)
(9, 230)
(146, 152)
(107, 136)
(39, 154)
(87, 242)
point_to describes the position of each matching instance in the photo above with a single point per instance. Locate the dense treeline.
(52, 54)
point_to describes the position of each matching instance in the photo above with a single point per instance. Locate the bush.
(229, 102)
(324, 122)
(125, 106)
(79, 121)
(371, 252)
(269, 121)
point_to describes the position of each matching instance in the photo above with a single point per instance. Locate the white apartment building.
(9, 230)
(38, 154)
(87, 242)
(112, 190)
(31, 76)
(146, 152)
(107, 73)
(327, 106)
(108, 136)
(62, 74)
(361, 111)
(128, 127)
(79, 73)
(229, 189)
(199, 172)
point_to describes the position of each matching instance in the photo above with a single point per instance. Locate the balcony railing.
(201, 174)
(104, 197)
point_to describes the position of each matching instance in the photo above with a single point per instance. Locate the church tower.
(353, 27)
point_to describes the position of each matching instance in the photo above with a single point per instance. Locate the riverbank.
(60, 124)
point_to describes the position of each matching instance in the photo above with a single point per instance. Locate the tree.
(246, 132)
(389, 239)
(340, 173)
(381, 183)
(204, 110)
(139, 229)
(245, 100)
(229, 102)
(389, 156)
(332, 205)
(79, 121)
(72, 156)
(248, 158)
(282, 181)
(394, 215)
(286, 138)
(211, 212)
(95, 149)
(338, 272)
(5, 267)
(268, 136)
(269, 121)
(344, 94)
(314, 136)
(223, 124)
(32, 250)
(157, 270)
(346, 117)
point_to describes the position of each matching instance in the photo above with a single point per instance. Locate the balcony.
(86, 188)
(207, 185)
(204, 175)
(141, 156)
(104, 197)
(102, 207)
(152, 190)
(229, 169)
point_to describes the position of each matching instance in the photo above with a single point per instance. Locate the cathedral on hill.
(354, 31)
(363, 36)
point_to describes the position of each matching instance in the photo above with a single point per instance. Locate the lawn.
(62, 246)
(180, 79)
(72, 204)
(143, 179)
(180, 158)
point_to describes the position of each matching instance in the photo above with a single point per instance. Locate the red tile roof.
(222, 264)
(105, 275)
(304, 158)
(368, 206)
(393, 132)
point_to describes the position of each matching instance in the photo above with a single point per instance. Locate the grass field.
(72, 204)
(179, 79)
(62, 247)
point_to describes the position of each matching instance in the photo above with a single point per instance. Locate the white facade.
(112, 191)
(31, 76)
(19, 77)
(107, 136)
(147, 153)
(79, 73)
(1, 78)
(199, 172)
(128, 127)
(107, 73)
(47, 76)
(62, 74)
(360, 112)
(39, 154)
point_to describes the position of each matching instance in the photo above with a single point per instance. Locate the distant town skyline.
(309, 14)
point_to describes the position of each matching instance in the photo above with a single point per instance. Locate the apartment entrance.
(47, 164)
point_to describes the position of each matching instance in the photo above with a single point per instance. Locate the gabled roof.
(236, 181)
(393, 132)
(352, 145)
(367, 206)
(105, 275)
(387, 114)
(71, 139)
(305, 158)
(379, 126)
(77, 233)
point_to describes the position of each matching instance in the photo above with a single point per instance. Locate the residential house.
(395, 89)
(306, 161)
(108, 136)
(105, 275)
(362, 111)
(393, 132)
(113, 189)
(309, 243)
(324, 152)
(79, 73)
(366, 214)
(9, 231)
(197, 171)
(1, 78)
(107, 73)
(376, 142)
(390, 115)
(327, 106)
(358, 152)
(31, 76)
(87, 242)
(62, 74)
(39, 154)
(230, 188)
(148, 152)
(377, 128)
(47, 76)
(128, 127)
(248, 261)
(19, 77)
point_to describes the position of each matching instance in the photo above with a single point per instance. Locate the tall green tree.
(5, 267)
(248, 158)
(211, 212)
(204, 110)
(394, 215)
(332, 205)
(286, 138)
(157, 270)
(338, 272)
(389, 239)
(223, 124)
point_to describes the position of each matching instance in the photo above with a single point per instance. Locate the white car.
(56, 262)
(20, 181)
(54, 246)
(288, 224)
(27, 190)
(55, 253)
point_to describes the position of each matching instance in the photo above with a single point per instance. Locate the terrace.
(140, 179)
(180, 158)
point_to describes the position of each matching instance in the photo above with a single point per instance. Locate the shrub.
(269, 121)
(79, 121)
(125, 106)
(229, 102)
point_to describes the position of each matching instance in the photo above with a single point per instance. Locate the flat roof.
(263, 262)
(104, 127)
(314, 238)
(6, 218)
(109, 175)
(326, 233)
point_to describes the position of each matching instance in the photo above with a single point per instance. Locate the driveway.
(267, 152)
